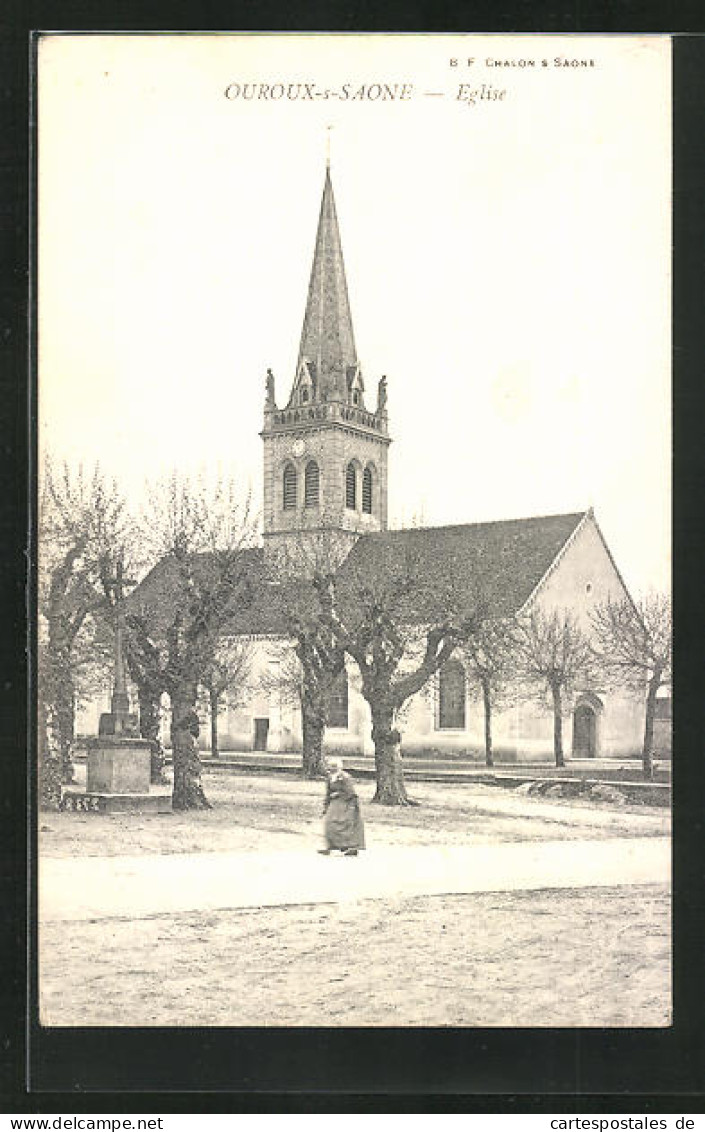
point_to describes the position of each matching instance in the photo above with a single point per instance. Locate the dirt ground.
(268, 813)
(589, 957)
(593, 957)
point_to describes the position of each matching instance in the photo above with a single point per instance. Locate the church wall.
(269, 451)
(269, 696)
(516, 735)
(663, 738)
(332, 447)
(357, 737)
(582, 578)
(522, 732)
(237, 724)
(347, 445)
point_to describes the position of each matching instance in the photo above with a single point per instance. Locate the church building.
(325, 469)
(325, 455)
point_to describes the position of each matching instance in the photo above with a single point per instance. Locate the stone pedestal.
(157, 802)
(118, 766)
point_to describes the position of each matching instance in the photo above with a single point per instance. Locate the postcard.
(354, 510)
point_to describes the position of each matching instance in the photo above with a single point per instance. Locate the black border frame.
(370, 1070)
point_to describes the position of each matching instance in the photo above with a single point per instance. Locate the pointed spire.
(327, 340)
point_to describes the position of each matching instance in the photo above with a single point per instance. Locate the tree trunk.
(647, 754)
(487, 701)
(557, 725)
(313, 730)
(391, 788)
(62, 717)
(188, 792)
(49, 762)
(214, 697)
(150, 713)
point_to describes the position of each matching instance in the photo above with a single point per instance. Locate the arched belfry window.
(338, 702)
(367, 491)
(351, 487)
(311, 484)
(289, 486)
(451, 696)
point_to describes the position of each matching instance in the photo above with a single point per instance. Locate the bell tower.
(325, 452)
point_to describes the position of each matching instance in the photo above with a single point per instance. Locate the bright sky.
(508, 262)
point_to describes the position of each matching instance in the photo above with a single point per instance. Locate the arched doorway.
(584, 732)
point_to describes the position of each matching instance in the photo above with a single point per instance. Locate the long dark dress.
(343, 822)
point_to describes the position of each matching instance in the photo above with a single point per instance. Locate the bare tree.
(305, 677)
(146, 663)
(320, 659)
(400, 624)
(48, 736)
(553, 656)
(490, 664)
(82, 516)
(632, 647)
(229, 672)
(305, 674)
(199, 533)
(94, 657)
(283, 677)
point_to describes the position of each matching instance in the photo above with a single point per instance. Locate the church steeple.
(325, 453)
(327, 367)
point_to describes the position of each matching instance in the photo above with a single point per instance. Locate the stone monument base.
(118, 766)
(74, 798)
(117, 779)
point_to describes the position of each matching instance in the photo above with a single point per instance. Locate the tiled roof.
(503, 560)
(506, 559)
(258, 604)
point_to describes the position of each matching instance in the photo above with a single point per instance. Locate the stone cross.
(120, 704)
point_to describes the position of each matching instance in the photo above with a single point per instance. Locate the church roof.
(258, 603)
(327, 340)
(503, 560)
(499, 563)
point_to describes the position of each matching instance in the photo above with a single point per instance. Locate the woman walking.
(344, 829)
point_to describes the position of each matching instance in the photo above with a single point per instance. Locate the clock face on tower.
(298, 448)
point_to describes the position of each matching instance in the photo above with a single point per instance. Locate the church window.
(451, 696)
(351, 487)
(356, 398)
(304, 394)
(367, 491)
(289, 487)
(338, 703)
(311, 484)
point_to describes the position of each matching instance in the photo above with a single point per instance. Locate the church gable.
(582, 576)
